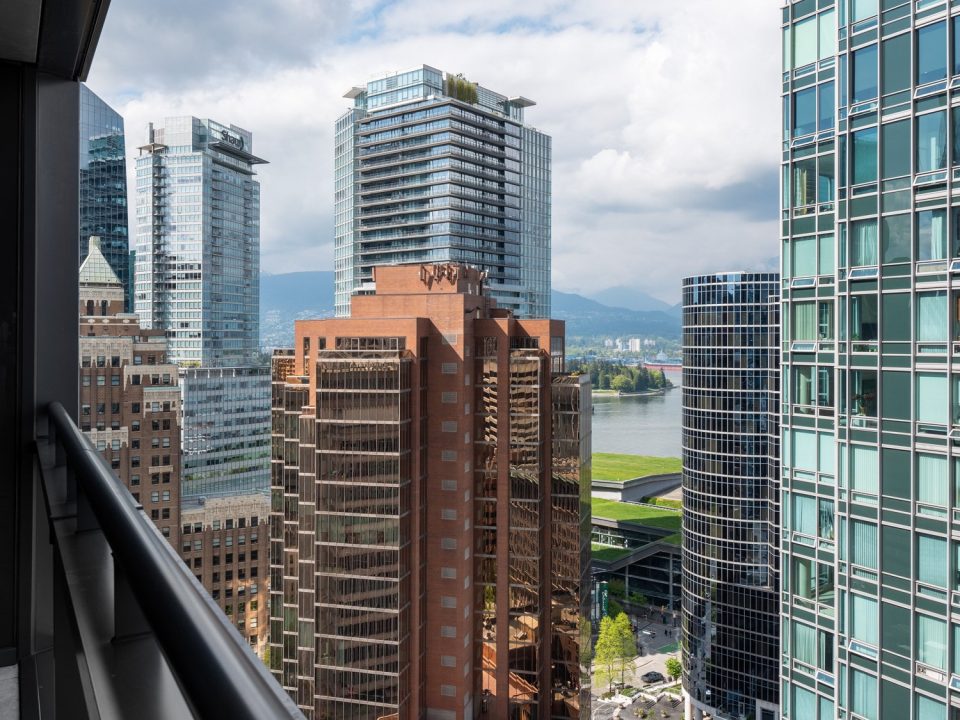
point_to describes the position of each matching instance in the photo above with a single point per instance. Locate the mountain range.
(301, 295)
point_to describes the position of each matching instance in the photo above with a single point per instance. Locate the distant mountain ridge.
(293, 296)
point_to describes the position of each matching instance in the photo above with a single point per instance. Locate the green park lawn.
(659, 517)
(616, 466)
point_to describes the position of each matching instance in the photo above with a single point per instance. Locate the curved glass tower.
(730, 382)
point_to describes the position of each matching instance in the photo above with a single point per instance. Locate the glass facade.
(730, 616)
(103, 184)
(870, 405)
(433, 168)
(226, 431)
(198, 241)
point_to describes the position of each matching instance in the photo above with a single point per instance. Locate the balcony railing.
(134, 634)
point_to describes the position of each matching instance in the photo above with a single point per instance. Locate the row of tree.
(606, 375)
(616, 649)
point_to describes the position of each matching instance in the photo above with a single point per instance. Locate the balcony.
(134, 633)
(99, 618)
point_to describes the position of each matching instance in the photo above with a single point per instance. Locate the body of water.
(647, 425)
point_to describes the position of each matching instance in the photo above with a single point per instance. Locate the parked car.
(653, 677)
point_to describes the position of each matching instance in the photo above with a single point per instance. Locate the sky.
(664, 113)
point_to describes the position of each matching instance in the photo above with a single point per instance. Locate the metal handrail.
(216, 670)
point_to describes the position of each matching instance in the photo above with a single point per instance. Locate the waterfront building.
(198, 241)
(429, 538)
(871, 388)
(129, 399)
(430, 167)
(731, 612)
(103, 185)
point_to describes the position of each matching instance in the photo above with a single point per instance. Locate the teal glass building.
(103, 185)
(870, 411)
(430, 167)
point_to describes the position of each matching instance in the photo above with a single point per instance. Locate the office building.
(129, 398)
(731, 613)
(198, 269)
(430, 167)
(103, 185)
(429, 542)
(198, 241)
(225, 541)
(226, 431)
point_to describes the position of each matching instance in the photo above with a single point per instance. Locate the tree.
(638, 598)
(674, 668)
(606, 653)
(626, 642)
(621, 383)
(617, 588)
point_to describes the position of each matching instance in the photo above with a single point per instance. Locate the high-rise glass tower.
(198, 241)
(871, 411)
(731, 610)
(430, 167)
(197, 277)
(103, 184)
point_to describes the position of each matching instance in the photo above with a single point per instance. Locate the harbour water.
(644, 425)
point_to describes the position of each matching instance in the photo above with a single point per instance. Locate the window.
(804, 321)
(804, 256)
(896, 238)
(863, 544)
(805, 42)
(804, 182)
(864, 470)
(895, 156)
(932, 642)
(896, 64)
(932, 482)
(805, 515)
(932, 53)
(825, 112)
(825, 320)
(805, 646)
(805, 111)
(101, 380)
(865, 156)
(932, 235)
(865, 74)
(932, 316)
(862, 9)
(863, 243)
(804, 703)
(825, 519)
(863, 694)
(932, 560)
(826, 187)
(931, 398)
(930, 709)
(932, 141)
(863, 319)
(802, 395)
(863, 619)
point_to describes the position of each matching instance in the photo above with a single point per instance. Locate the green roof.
(644, 515)
(620, 467)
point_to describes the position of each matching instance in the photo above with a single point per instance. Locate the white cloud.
(664, 114)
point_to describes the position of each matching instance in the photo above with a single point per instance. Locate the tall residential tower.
(430, 526)
(431, 167)
(731, 612)
(871, 358)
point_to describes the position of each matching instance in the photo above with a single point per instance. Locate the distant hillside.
(589, 318)
(292, 296)
(302, 295)
(629, 298)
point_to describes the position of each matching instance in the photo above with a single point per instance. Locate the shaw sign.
(233, 140)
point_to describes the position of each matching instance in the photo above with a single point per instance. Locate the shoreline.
(643, 393)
